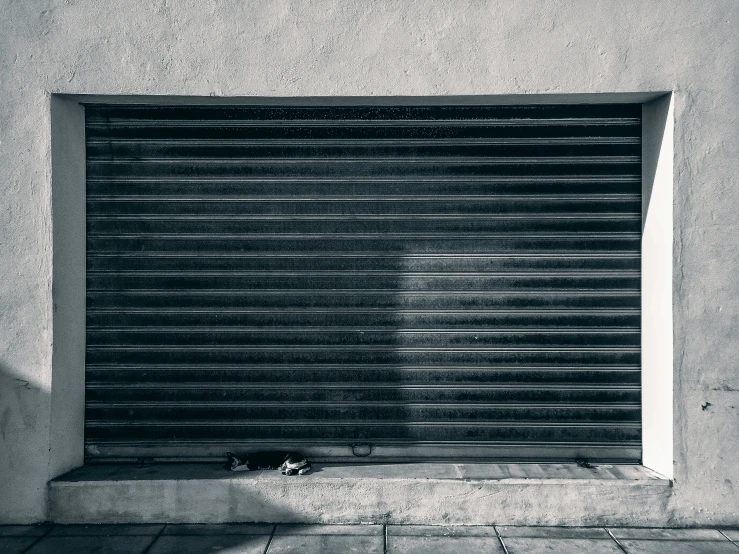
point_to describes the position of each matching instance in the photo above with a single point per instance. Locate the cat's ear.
(229, 461)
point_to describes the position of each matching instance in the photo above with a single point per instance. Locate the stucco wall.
(423, 47)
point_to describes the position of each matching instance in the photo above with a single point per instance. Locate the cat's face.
(295, 464)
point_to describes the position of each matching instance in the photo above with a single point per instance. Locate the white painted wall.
(67, 394)
(410, 48)
(656, 285)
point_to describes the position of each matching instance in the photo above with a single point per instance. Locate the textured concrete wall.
(422, 47)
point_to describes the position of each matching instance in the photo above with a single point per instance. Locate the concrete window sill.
(546, 473)
(424, 493)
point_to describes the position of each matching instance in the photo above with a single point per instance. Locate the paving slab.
(523, 545)
(15, 545)
(105, 530)
(190, 544)
(218, 529)
(113, 544)
(447, 545)
(441, 530)
(657, 546)
(676, 534)
(24, 530)
(360, 530)
(326, 544)
(733, 534)
(553, 532)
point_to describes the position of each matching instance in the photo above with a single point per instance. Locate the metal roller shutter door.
(448, 282)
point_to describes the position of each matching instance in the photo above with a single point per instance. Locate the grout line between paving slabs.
(38, 540)
(621, 546)
(156, 538)
(269, 540)
(500, 539)
(727, 538)
(384, 539)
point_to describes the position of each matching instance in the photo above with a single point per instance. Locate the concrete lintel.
(434, 494)
(398, 100)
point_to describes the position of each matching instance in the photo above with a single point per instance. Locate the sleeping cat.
(289, 463)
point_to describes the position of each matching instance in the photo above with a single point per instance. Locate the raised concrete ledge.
(432, 494)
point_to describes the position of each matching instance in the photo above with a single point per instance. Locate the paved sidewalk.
(371, 539)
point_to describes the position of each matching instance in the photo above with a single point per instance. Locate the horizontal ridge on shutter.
(440, 282)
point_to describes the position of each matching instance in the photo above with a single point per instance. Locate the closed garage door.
(457, 282)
